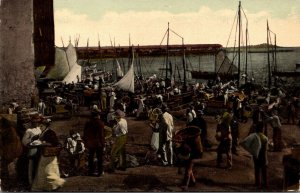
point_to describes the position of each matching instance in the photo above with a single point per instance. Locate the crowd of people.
(110, 108)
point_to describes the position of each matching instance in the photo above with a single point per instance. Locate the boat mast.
(99, 49)
(239, 49)
(246, 65)
(184, 66)
(114, 70)
(167, 59)
(275, 64)
(268, 52)
(130, 51)
(88, 52)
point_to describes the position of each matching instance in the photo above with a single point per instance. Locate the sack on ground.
(252, 144)
(131, 161)
(155, 141)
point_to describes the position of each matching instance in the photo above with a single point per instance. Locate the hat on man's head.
(77, 137)
(96, 112)
(200, 112)
(36, 118)
(164, 107)
(119, 113)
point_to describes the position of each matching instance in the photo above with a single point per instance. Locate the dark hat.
(45, 121)
(200, 112)
(164, 107)
(119, 113)
(36, 118)
(96, 112)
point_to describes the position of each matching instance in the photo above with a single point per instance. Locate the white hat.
(78, 136)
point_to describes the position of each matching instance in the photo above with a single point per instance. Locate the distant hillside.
(264, 45)
(261, 48)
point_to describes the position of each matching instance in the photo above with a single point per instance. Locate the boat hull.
(212, 75)
(287, 74)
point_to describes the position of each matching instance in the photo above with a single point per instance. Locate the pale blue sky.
(96, 8)
(283, 16)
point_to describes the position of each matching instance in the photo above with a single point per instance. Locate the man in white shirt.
(166, 128)
(189, 116)
(118, 154)
(41, 107)
(112, 99)
(274, 120)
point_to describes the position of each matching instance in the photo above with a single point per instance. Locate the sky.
(145, 22)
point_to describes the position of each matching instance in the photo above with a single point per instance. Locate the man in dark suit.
(93, 137)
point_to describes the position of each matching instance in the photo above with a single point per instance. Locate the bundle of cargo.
(25, 115)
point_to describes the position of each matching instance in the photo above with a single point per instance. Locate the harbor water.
(257, 64)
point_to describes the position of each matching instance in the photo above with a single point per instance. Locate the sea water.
(257, 64)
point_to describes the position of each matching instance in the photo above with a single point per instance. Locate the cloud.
(148, 28)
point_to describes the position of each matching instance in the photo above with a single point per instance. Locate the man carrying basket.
(189, 150)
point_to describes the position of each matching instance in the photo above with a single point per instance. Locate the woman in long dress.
(47, 177)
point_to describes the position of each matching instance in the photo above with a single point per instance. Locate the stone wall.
(17, 79)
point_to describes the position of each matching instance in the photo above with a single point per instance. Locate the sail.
(119, 70)
(61, 66)
(39, 71)
(65, 67)
(74, 75)
(224, 65)
(71, 55)
(127, 82)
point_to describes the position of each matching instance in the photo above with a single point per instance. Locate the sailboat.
(294, 74)
(275, 72)
(120, 73)
(127, 82)
(224, 67)
(66, 68)
(176, 101)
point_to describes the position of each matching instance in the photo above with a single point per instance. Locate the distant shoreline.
(264, 51)
(254, 49)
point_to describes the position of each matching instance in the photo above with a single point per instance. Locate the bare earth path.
(150, 177)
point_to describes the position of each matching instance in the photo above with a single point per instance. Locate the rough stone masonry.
(17, 79)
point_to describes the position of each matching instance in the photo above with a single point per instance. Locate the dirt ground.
(150, 176)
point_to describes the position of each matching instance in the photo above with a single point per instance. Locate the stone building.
(26, 42)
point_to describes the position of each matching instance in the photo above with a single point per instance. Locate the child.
(75, 148)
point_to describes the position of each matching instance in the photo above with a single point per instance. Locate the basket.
(296, 152)
(49, 151)
(186, 134)
(107, 132)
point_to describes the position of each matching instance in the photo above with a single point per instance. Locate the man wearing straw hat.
(118, 154)
(223, 135)
(189, 151)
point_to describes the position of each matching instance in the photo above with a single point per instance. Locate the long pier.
(149, 50)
